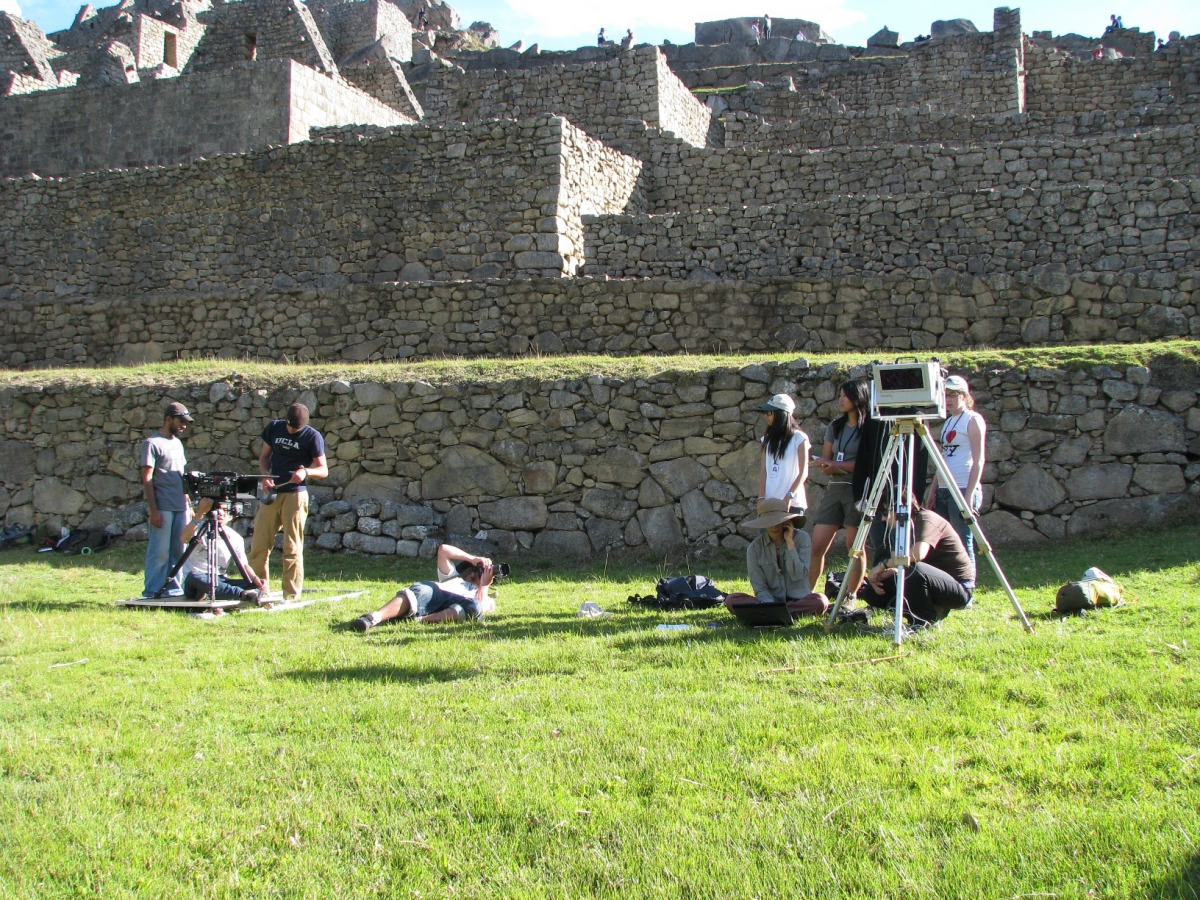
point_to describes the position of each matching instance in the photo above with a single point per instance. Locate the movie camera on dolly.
(907, 394)
(227, 491)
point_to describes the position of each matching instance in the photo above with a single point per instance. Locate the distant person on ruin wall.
(627, 41)
(766, 22)
(756, 31)
(293, 452)
(163, 464)
(601, 40)
(422, 19)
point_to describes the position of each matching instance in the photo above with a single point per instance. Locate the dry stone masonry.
(325, 181)
(579, 467)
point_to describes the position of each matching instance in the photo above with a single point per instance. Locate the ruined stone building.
(326, 181)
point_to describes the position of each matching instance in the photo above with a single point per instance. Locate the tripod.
(208, 530)
(899, 454)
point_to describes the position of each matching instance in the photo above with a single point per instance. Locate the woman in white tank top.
(964, 438)
(785, 452)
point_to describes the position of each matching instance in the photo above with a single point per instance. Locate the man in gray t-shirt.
(162, 465)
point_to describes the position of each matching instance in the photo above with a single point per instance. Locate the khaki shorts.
(837, 507)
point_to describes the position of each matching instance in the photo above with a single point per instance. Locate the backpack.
(84, 542)
(14, 533)
(1095, 591)
(683, 592)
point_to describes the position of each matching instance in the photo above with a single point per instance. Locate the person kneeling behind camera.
(461, 590)
(941, 579)
(194, 574)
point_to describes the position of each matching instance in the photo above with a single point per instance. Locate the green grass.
(455, 371)
(542, 755)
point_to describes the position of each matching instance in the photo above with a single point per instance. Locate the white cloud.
(556, 19)
(10, 6)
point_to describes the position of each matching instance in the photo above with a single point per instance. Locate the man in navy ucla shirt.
(292, 453)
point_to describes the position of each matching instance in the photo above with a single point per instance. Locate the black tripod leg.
(236, 559)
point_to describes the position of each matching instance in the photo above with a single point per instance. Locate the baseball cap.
(781, 403)
(179, 411)
(958, 384)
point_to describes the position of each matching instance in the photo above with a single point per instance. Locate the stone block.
(558, 544)
(660, 529)
(1160, 478)
(698, 514)
(1126, 514)
(604, 533)
(1031, 488)
(50, 496)
(1002, 528)
(1136, 429)
(679, 476)
(1102, 481)
(376, 487)
(465, 470)
(608, 504)
(515, 513)
(18, 461)
(618, 465)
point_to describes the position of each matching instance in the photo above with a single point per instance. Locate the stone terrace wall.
(1101, 226)
(1057, 84)
(689, 178)
(579, 467)
(445, 200)
(174, 120)
(825, 127)
(599, 97)
(626, 317)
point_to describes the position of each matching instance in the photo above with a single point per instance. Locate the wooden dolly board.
(176, 603)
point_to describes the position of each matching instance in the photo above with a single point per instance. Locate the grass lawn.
(543, 755)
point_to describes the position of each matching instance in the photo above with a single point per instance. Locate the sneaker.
(857, 616)
(363, 623)
(252, 595)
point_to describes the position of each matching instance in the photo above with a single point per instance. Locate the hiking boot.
(363, 623)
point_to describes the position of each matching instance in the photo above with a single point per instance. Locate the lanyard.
(951, 426)
(844, 439)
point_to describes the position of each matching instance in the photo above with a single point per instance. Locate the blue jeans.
(948, 510)
(195, 586)
(163, 550)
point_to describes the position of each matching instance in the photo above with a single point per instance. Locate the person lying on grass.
(461, 590)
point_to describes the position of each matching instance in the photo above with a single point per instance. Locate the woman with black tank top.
(837, 509)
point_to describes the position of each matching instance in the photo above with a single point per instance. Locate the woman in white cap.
(837, 509)
(964, 438)
(785, 451)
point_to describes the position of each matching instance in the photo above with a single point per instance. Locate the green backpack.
(1093, 593)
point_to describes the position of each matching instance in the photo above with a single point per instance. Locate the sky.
(558, 25)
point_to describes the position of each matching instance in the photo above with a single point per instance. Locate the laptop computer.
(763, 615)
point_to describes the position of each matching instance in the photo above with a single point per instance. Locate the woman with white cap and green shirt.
(964, 438)
(785, 448)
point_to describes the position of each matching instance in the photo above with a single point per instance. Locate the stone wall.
(1060, 84)
(834, 126)
(598, 96)
(174, 120)
(581, 467)
(690, 178)
(618, 317)
(1101, 226)
(444, 200)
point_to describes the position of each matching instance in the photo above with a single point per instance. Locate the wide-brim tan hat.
(773, 512)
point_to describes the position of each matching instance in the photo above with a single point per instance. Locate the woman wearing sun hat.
(777, 562)
(785, 451)
(964, 438)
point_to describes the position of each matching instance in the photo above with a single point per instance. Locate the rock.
(617, 466)
(608, 503)
(633, 533)
(1160, 478)
(945, 27)
(555, 544)
(109, 489)
(515, 513)
(1126, 514)
(414, 272)
(678, 476)
(884, 37)
(1031, 488)
(540, 477)
(650, 494)
(465, 470)
(18, 462)
(410, 549)
(330, 540)
(1162, 321)
(1102, 481)
(369, 526)
(335, 508)
(661, 529)
(742, 468)
(1002, 527)
(365, 543)
(604, 533)
(376, 487)
(368, 506)
(458, 520)
(51, 496)
(698, 515)
(1071, 452)
(1136, 429)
